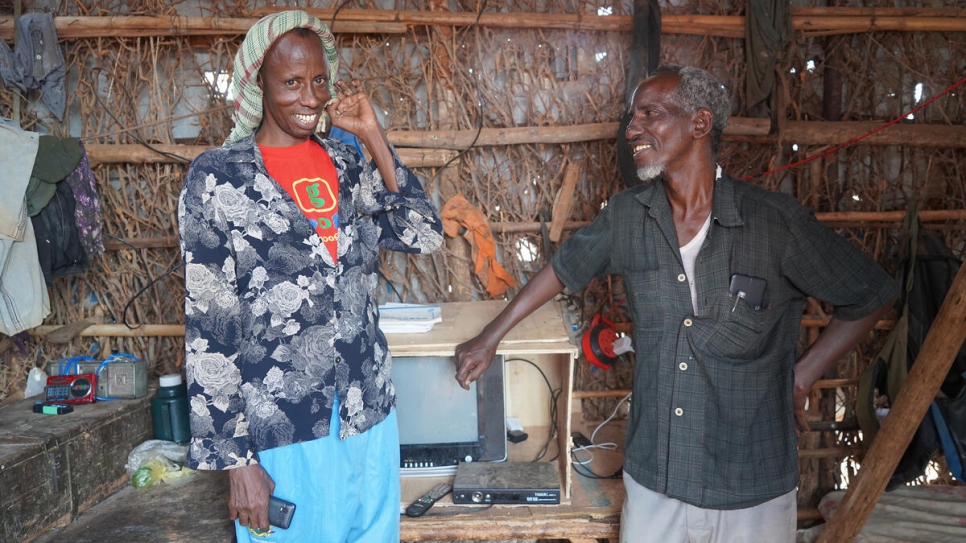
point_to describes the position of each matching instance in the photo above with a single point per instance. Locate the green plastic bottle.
(169, 410)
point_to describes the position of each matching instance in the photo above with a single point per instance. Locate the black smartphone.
(280, 512)
(749, 288)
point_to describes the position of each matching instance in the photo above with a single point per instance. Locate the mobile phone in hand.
(280, 512)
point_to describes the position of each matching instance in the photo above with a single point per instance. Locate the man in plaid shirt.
(718, 272)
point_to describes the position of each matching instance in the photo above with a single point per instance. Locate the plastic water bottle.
(169, 410)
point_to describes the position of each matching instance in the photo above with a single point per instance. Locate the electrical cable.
(173, 156)
(554, 397)
(151, 281)
(140, 292)
(581, 466)
(856, 140)
(479, 99)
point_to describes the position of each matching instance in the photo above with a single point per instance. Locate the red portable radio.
(71, 389)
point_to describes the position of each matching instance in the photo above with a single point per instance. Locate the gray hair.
(699, 89)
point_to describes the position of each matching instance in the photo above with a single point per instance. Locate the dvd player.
(528, 483)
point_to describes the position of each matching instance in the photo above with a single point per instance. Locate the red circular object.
(598, 343)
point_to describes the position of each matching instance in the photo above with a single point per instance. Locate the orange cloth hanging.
(458, 211)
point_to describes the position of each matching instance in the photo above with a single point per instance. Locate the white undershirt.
(689, 252)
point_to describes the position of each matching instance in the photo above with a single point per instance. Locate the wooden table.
(591, 513)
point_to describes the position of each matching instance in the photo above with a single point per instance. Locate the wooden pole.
(564, 201)
(434, 148)
(374, 21)
(942, 343)
(459, 263)
(119, 330)
(834, 133)
(857, 219)
(105, 153)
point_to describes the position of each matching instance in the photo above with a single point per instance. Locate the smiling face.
(295, 89)
(660, 132)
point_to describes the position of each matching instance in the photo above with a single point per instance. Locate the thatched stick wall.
(537, 88)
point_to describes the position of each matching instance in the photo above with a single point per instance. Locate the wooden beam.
(374, 21)
(461, 139)
(939, 349)
(856, 218)
(141, 243)
(564, 200)
(104, 153)
(837, 132)
(739, 129)
(140, 26)
(119, 330)
(432, 149)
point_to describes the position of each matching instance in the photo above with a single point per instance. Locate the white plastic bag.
(36, 382)
(156, 460)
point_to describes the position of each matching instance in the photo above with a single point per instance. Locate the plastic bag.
(156, 460)
(36, 382)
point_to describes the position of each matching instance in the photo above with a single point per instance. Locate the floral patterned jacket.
(274, 329)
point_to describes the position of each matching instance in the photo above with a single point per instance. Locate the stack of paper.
(396, 318)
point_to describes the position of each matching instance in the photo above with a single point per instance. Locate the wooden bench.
(55, 467)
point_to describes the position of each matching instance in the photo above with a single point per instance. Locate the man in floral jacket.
(288, 373)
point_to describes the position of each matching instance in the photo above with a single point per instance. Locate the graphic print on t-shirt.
(307, 174)
(315, 196)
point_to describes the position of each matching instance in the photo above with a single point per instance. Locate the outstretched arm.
(475, 355)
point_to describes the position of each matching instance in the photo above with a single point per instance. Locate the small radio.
(71, 389)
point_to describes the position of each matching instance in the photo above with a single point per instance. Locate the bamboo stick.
(141, 243)
(461, 139)
(944, 340)
(620, 393)
(103, 153)
(800, 132)
(366, 21)
(416, 147)
(830, 452)
(138, 26)
(806, 11)
(834, 133)
(894, 217)
(119, 330)
(856, 218)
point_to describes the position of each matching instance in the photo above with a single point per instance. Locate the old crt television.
(440, 423)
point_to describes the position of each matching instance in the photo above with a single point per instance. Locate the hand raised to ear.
(351, 109)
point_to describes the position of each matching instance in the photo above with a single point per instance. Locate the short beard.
(650, 172)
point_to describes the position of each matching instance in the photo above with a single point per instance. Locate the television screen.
(440, 423)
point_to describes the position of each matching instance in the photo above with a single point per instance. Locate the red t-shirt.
(307, 173)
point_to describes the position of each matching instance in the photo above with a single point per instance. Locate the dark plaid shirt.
(711, 419)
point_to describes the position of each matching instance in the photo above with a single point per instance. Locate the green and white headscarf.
(251, 54)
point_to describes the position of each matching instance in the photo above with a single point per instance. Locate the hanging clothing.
(38, 62)
(87, 206)
(17, 152)
(24, 301)
(59, 248)
(56, 159)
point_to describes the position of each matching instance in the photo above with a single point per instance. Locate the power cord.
(581, 466)
(554, 397)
